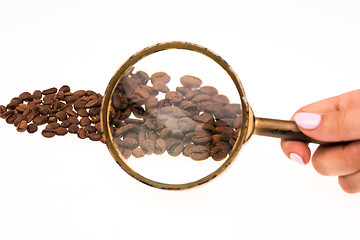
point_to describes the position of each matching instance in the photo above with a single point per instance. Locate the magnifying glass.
(175, 116)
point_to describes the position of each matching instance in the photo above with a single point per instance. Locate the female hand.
(336, 119)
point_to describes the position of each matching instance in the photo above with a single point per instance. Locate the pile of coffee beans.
(193, 120)
(61, 111)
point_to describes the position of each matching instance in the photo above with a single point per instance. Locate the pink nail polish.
(308, 120)
(296, 158)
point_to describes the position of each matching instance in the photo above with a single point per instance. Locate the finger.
(339, 160)
(296, 151)
(343, 125)
(350, 183)
(342, 102)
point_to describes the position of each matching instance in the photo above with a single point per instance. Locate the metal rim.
(104, 114)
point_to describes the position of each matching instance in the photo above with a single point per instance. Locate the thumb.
(336, 126)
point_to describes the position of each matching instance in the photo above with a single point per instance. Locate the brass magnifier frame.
(250, 124)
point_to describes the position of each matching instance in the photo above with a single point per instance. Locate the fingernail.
(308, 120)
(296, 158)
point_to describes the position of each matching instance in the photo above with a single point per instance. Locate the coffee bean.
(31, 128)
(26, 96)
(90, 129)
(40, 120)
(199, 152)
(208, 90)
(19, 118)
(121, 131)
(138, 153)
(48, 134)
(61, 131)
(148, 146)
(220, 151)
(174, 146)
(200, 98)
(221, 99)
(53, 125)
(93, 103)
(85, 121)
(95, 136)
(190, 81)
(154, 124)
(49, 91)
(22, 126)
(73, 128)
(37, 94)
(82, 113)
(65, 88)
(201, 137)
(174, 97)
(161, 87)
(61, 115)
(160, 146)
(82, 133)
(160, 77)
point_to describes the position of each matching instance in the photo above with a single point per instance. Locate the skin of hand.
(335, 119)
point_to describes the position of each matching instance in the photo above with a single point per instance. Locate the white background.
(287, 54)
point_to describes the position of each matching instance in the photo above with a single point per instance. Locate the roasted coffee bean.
(10, 119)
(85, 121)
(190, 81)
(2, 109)
(208, 90)
(200, 98)
(19, 118)
(148, 146)
(53, 125)
(90, 129)
(31, 128)
(186, 124)
(160, 77)
(49, 91)
(22, 126)
(220, 151)
(161, 87)
(61, 131)
(93, 103)
(73, 128)
(95, 136)
(177, 133)
(61, 115)
(48, 134)
(238, 121)
(199, 152)
(154, 124)
(82, 133)
(165, 133)
(26, 96)
(40, 120)
(138, 153)
(224, 113)
(191, 94)
(160, 146)
(201, 137)
(174, 146)
(183, 90)
(65, 88)
(37, 94)
(174, 97)
(151, 102)
(82, 113)
(221, 99)
(121, 131)
(94, 111)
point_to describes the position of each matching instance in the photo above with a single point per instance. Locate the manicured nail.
(308, 120)
(296, 158)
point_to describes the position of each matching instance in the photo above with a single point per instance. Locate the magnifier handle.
(286, 130)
